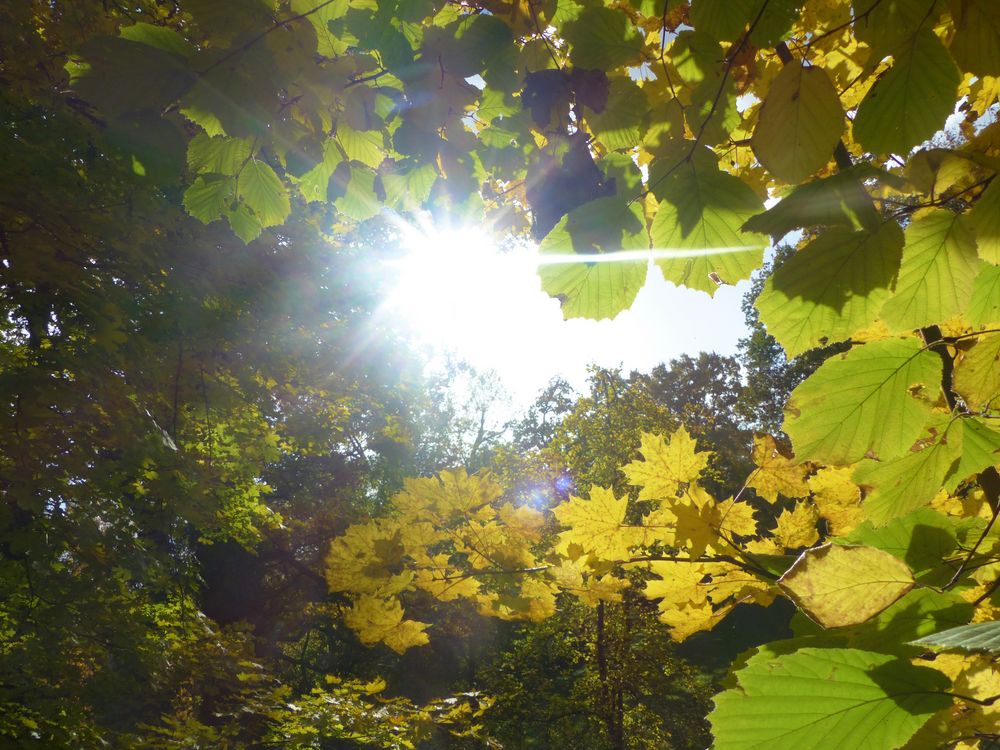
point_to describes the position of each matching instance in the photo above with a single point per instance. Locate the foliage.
(152, 368)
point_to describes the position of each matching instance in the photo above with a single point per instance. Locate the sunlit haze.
(459, 295)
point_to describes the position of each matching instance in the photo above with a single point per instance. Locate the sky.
(457, 295)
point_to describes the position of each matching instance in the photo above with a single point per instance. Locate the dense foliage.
(177, 411)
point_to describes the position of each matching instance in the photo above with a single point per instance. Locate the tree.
(150, 366)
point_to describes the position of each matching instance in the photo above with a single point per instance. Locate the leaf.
(320, 17)
(160, 37)
(980, 449)
(602, 38)
(378, 620)
(985, 220)
(244, 223)
(863, 402)
(937, 272)
(920, 612)
(314, 185)
(922, 539)
(207, 197)
(408, 187)
(797, 527)
(976, 44)
(837, 498)
(981, 636)
(984, 307)
(911, 101)
(219, 155)
(667, 465)
(799, 124)
(816, 698)
(365, 146)
(904, 483)
(359, 201)
(832, 288)
(837, 585)
(589, 289)
(776, 473)
(977, 374)
(262, 190)
(839, 200)
(598, 524)
(625, 118)
(697, 241)
(724, 20)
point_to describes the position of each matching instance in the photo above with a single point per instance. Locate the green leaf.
(976, 44)
(922, 539)
(816, 698)
(595, 289)
(602, 38)
(625, 118)
(800, 123)
(911, 101)
(220, 154)
(207, 197)
(263, 192)
(408, 186)
(884, 25)
(481, 43)
(985, 219)
(984, 307)
(160, 37)
(905, 483)
(863, 402)
(696, 233)
(328, 44)
(832, 288)
(981, 636)
(839, 200)
(937, 272)
(980, 449)
(775, 22)
(359, 201)
(724, 20)
(244, 223)
(920, 612)
(314, 185)
(365, 146)
(977, 373)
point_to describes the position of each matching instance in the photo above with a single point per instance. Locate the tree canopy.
(205, 424)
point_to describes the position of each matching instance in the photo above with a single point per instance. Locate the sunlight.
(454, 284)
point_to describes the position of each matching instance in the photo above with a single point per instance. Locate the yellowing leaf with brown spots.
(845, 585)
(776, 472)
(666, 466)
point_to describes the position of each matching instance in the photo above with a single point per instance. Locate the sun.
(453, 286)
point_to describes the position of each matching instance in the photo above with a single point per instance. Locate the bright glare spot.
(457, 293)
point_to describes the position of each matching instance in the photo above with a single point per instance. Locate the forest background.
(236, 511)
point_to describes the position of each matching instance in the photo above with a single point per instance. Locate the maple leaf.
(378, 620)
(797, 527)
(837, 499)
(666, 466)
(776, 473)
(452, 494)
(598, 525)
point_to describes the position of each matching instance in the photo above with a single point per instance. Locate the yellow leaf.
(977, 375)
(524, 520)
(377, 620)
(776, 473)
(797, 527)
(449, 495)
(736, 518)
(837, 498)
(598, 525)
(666, 466)
(845, 585)
(367, 558)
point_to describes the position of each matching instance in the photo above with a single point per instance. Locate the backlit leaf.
(667, 465)
(814, 699)
(263, 191)
(799, 123)
(985, 220)
(832, 288)
(862, 402)
(837, 585)
(911, 101)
